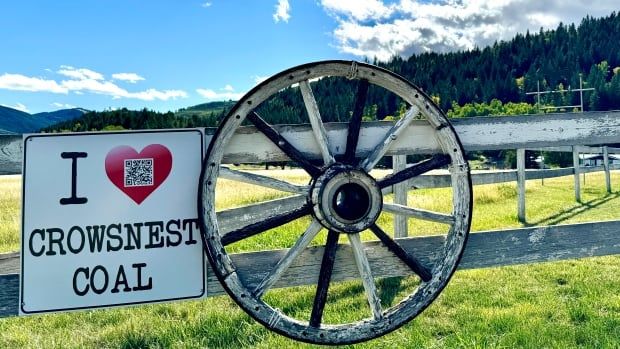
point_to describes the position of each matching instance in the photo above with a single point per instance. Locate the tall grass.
(566, 304)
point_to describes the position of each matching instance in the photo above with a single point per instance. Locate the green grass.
(565, 304)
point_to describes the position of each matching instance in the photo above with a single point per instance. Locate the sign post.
(110, 219)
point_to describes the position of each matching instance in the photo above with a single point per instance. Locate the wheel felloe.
(342, 197)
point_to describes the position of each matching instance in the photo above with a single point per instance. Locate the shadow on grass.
(575, 211)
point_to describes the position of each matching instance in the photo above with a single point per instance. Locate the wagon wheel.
(342, 198)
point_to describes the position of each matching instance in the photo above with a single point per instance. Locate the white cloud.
(153, 94)
(206, 4)
(17, 106)
(381, 29)
(283, 10)
(82, 80)
(258, 79)
(218, 96)
(80, 74)
(129, 77)
(18, 82)
(63, 105)
(228, 88)
(359, 10)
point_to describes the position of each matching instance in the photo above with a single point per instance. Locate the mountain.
(16, 121)
(209, 107)
(57, 116)
(208, 114)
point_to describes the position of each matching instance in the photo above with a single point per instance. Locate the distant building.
(597, 159)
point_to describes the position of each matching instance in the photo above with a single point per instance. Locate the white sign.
(110, 219)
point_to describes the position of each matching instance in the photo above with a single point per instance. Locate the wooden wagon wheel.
(342, 198)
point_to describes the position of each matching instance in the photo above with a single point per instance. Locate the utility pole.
(538, 93)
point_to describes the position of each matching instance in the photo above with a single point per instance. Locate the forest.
(485, 81)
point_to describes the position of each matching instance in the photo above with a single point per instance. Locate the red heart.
(138, 174)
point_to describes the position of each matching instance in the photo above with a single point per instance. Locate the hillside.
(208, 114)
(16, 121)
(503, 72)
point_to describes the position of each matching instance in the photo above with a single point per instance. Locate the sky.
(166, 55)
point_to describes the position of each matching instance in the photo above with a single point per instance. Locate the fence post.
(606, 165)
(399, 163)
(521, 184)
(576, 171)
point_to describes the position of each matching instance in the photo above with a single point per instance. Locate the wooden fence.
(484, 249)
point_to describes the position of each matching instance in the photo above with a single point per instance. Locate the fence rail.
(484, 249)
(482, 133)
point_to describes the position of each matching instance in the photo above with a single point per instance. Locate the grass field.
(565, 304)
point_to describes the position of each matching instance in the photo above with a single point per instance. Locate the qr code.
(138, 172)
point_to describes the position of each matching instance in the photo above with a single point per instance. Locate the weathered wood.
(426, 215)
(9, 263)
(382, 148)
(399, 163)
(582, 148)
(521, 185)
(482, 133)
(484, 249)
(355, 123)
(290, 256)
(577, 169)
(237, 218)
(283, 144)
(414, 170)
(263, 181)
(248, 145)
(10, 154)
(325, 276)
(264, 225)
(411, 261)
(315, 121)
(363, 267)
(606, 166)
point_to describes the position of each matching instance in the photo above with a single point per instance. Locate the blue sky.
(165, 55)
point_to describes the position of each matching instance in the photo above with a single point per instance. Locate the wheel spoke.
(418, 213)
(269, 223)
(290, 256)
(356, 122)
(417, 169)
(315, 120)
(382, 148)
(262, 181)
(406, 257)
(283, 144)
(325, 275)
(235, 218)
(365, 273)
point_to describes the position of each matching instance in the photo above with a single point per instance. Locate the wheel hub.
(345, 199)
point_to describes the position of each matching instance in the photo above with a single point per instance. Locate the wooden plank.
(606, 166)
(481, 133)
(582, 148)
(10, 154)
(484, 249)
(263, 181)
(521, 185)
(236, 218)
(576, 168)
(399, 162)
(315, 120)
(389, 138)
